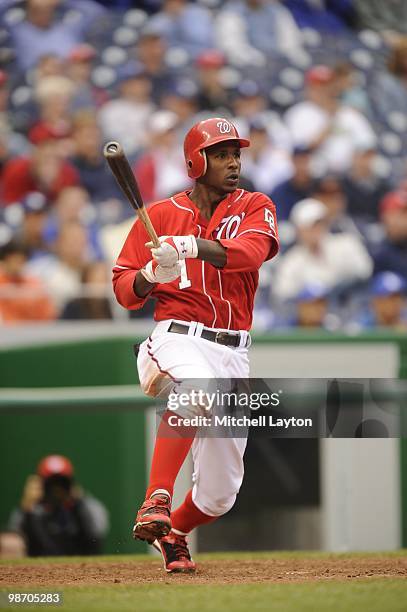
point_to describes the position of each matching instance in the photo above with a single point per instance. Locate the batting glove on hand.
(154, 273)
(173, 249)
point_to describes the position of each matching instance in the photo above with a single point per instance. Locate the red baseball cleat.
(153, 519)
(175, 553)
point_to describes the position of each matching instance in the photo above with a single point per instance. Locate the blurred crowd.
(319, 87)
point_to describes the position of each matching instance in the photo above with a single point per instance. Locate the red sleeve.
(257, 238)
(133, 256)
(17, 180)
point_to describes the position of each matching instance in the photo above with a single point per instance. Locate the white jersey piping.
(224, 300)
(181, 207)
(207, 294)
(269, 233)
(239, 196)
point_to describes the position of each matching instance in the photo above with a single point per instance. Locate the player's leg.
(165, 358)
(218, 475)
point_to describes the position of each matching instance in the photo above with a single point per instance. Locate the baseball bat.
(125, 178)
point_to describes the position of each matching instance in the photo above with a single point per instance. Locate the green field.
(158, 592)
(372, 596)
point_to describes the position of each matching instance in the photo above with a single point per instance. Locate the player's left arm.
(256, 241)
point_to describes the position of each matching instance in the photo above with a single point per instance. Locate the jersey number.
(229, 226)
(269, 219)
(184, 282)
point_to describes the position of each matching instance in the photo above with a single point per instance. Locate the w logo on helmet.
(224, 127)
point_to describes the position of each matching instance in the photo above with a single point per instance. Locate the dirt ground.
(214, 571)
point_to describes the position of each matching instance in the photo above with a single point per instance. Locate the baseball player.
(204, 275)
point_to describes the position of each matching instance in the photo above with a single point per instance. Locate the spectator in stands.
(248, 101)
(387, 307)
(11, 145)
(391, 254)
(364, 187)
(248, 31)
(329, 191)
(334, 16)
(56, 516)
(265, 164)
(53, 95)
(73, 206)
(151, 52)
(388, 18)
(112, 236)
(43, 30)
(43, 170)
(94, 303)
(12, 545)
(311, 307)
(11, 142)
(296, 188)
(125, 118)
(48, 65)
(61, 271)
(88, 158)
(160, 171)
(322, 122)
(31, 221)
(25, 111)
(23, 297)
(389, 88)
(79, 69)
(335, 261)
(181, 99)
(186, 25)
(212, 94)
(350, 89)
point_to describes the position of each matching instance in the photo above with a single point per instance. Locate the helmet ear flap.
(197, 165)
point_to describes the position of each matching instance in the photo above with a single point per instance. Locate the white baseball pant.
(218, 462)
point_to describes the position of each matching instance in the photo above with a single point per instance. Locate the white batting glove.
(154, 273)
(173, 249)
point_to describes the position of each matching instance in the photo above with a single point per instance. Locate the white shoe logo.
(224, 127)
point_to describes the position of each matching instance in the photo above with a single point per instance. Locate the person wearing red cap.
(55, 516)
(79, 69)
(212, 96)
(204, 275)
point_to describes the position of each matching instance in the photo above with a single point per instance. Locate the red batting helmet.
(55, 465)
(205, 134)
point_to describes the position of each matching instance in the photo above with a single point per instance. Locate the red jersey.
(244, 223)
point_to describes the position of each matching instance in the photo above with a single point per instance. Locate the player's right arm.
(141, 286)
(135, 274)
